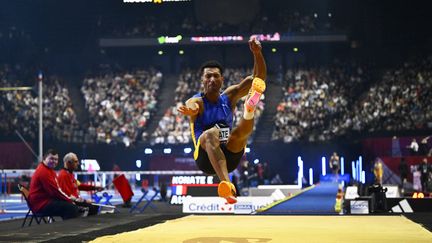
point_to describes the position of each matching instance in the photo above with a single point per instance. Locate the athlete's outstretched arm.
(235, 92)
(260, 68)
(193, 107)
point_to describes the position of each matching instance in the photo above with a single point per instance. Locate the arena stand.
(59, 116)
(399, 101)
(121, 104)
(316, 100)
(293, 20)
(325, 103)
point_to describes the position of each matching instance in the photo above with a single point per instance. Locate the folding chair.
(38, 217)
(149, 201)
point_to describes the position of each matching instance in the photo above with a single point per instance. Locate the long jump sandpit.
(264, 228)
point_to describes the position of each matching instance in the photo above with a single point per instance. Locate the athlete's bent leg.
(209, 141)
(239, 135)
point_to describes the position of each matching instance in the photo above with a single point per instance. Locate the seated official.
(71, 186)
(45, 195)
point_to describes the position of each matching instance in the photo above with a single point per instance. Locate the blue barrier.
(335, 178)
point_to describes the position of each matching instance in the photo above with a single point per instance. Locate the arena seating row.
(265, 21)
(319, 104)
(323, 103)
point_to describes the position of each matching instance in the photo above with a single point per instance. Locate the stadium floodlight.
(148, 151)
(323, 165)
(167, 150)
(247, 150)
(342, 161)
(300, 172)
(354, 175)
(358, 175)
(310, 176)
(187, 150)
(138, 163)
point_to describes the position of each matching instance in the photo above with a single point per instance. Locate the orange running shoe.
(227, 190)
(257, 89)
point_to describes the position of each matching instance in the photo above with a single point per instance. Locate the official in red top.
(45, 195)
(70, 186)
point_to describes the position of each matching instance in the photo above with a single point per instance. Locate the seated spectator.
(71, 186)
(45, 195)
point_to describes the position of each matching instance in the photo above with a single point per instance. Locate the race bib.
(224, 132)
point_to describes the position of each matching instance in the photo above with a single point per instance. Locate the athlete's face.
(212, 79)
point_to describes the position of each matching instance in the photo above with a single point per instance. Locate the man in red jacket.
(71, 186)
(45, 195)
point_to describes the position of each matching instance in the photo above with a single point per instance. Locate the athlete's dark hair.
(211, 64)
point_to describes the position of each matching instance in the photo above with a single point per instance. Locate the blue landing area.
(317, 200)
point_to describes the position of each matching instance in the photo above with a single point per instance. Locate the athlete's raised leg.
(239, 135)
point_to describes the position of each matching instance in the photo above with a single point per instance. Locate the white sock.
(248, 115)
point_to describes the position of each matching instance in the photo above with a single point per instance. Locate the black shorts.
(204, 164)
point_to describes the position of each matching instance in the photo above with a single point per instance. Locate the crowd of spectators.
(20, 110)
(174, 127)
(320, 104)
(399, 101)
(315, 99)
(120, 105)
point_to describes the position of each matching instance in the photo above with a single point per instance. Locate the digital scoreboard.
(186, 186)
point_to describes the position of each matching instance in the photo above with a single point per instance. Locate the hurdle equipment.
(148, 200)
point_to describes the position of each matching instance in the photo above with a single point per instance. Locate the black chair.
(38, 217)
